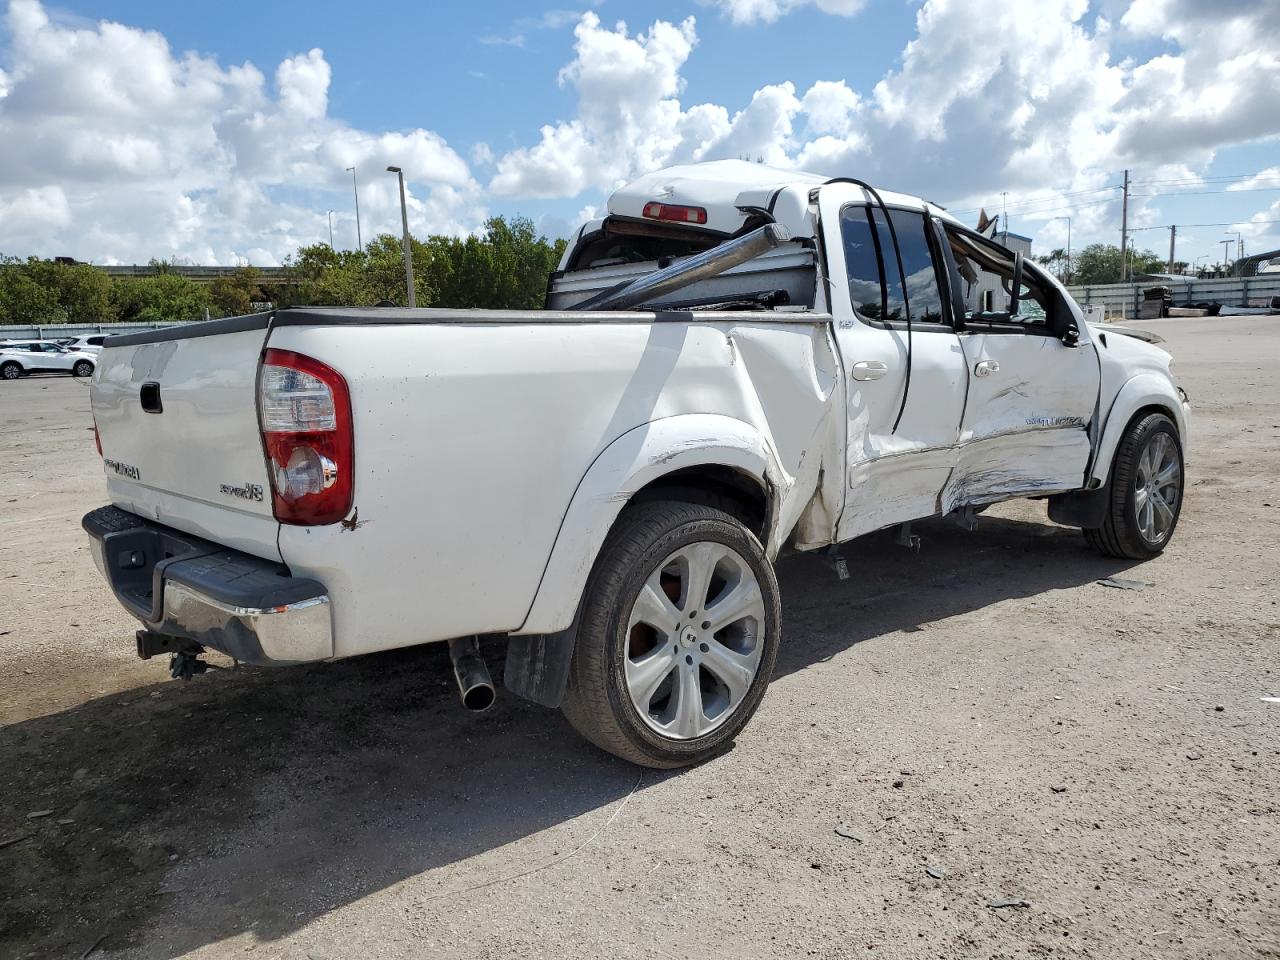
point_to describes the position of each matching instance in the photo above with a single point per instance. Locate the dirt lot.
(984, 709)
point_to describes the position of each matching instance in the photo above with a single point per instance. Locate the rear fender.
(630, 463)
(1144, 390)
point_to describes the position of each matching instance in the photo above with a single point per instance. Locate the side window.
(873, 268)
(986, 275)
(923, 293)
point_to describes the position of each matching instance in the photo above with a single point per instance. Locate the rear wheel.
(677, 637)
(1147, 479)
(83, 368)
(10, 370)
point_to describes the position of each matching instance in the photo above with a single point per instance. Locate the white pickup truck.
(734, 362)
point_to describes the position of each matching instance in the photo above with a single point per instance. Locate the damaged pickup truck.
(734, 362)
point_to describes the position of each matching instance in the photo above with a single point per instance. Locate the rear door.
(899, 456)
(177, 417)
(1032, 390)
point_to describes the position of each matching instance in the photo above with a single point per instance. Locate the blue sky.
(1047, 101)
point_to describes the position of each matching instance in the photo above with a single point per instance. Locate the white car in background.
(21, 357)
(88, 343)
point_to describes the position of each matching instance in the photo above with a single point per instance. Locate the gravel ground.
(982, 719)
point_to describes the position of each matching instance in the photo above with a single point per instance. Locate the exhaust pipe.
(474, 683)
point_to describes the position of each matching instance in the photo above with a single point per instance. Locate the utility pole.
(1124, 231)
(1173, 235)
(330, 229)
(1226, 255)
(354, 187)
(408, 250)
(1004, 214)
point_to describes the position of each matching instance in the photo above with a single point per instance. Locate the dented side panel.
(473, 440)
(1027, 417)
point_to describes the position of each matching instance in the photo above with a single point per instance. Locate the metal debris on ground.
(1059, 789)
(1119, 583)
(846, 831)
(12, 840)
(1271, 699)
(934, 872)
(1002, 904)
(37, 814)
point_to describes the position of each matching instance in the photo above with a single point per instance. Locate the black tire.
(83, 368)
(10, 370)
(597, 701)
(1121, 534)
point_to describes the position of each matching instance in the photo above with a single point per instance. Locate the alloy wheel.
(694, 640)
(1157, 488)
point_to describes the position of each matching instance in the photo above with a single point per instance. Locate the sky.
(139, 129)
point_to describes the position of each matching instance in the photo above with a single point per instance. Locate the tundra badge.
(123, 469)
(248, 491)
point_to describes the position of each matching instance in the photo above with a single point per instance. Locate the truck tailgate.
(177, 418)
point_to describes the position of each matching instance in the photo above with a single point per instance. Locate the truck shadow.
(252, 802)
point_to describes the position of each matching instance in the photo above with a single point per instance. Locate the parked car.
(735, 361)
(21, 357)
(88, 343)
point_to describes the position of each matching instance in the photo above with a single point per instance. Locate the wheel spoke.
(1159, 446)
(734, 669)
(689, 717)
(700, 561)
(742, 600)
(654, 608)
(646, 675)
(1148, 522)
(1163, 513)
(1140, 500)
(1168, 474)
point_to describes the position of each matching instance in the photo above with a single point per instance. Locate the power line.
(1184, 226)
(1204, 193)
(1223, 179)
(1023, 207)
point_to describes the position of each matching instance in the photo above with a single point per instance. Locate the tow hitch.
(184, 655)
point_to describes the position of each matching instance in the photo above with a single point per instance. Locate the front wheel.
(1147, 479)
(677, 637)
(83, 368)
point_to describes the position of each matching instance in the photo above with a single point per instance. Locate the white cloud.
(1264, 179)
(117, 148)
(767, 11)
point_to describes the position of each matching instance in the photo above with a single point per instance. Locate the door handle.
(986, 368)
(868, 370)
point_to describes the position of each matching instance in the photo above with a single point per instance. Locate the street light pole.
(330, 229)
(356, 189)
(408, 250)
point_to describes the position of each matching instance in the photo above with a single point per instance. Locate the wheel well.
(14, 363)
(724, 488)
(1149, 409)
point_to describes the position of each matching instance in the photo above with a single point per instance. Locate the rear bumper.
(187, 587)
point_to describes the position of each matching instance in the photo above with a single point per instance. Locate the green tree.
(25, 300)
(1100, 263)
(166, 296)
(234, 295)
(82, 291)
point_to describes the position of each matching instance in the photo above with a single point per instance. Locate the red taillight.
(654, 210)
(97, 440)
(305, 410)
